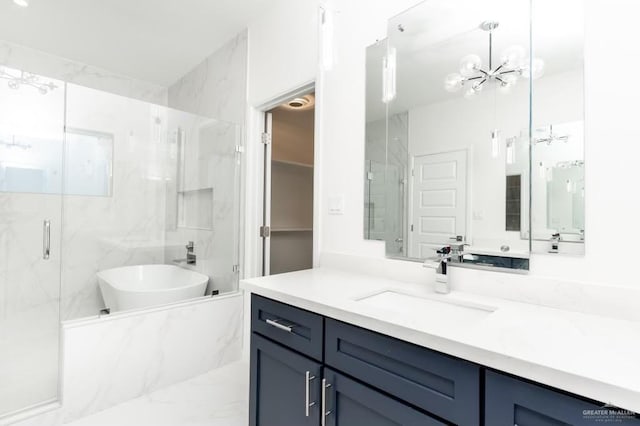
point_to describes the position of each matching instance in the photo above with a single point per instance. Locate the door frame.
(468, 213)
(255, 172)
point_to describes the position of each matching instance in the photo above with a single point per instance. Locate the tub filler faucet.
(191, 255)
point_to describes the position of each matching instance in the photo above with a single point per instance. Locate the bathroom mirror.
(456, 80)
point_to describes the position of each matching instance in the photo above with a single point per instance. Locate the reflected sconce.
(326, 38)
(389, 76)
(513, 64)
(511, 150)
(495, 143)
(542, 172)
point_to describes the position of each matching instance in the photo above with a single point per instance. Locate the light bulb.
(534, 69)
(469, 65)
(453, 82)
(495, 143)
(469, 93)
(508, 81)
(513, 57)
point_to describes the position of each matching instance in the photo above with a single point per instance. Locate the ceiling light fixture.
(26, 79)
(301, 102)
(22, 3)
(513, 64)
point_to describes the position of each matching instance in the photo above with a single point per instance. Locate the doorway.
(287, 229)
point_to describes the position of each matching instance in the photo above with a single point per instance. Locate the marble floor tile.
(216, 398)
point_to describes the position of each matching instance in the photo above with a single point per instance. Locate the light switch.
(336, 204)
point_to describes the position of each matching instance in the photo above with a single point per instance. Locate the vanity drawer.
(439, 384)
(292, 327)
(512, 401)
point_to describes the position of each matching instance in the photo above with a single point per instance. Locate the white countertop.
(589, 355)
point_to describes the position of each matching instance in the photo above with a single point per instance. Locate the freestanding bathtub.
(134, 287)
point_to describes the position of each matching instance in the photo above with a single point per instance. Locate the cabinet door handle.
(276, 324)
(46, 239)
(307, 383)
(325, 413)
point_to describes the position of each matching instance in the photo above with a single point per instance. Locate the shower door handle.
(46, 239)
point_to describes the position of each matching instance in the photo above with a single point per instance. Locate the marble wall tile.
(217, 87)
(127, 227)
(116, 358)
(38, 62)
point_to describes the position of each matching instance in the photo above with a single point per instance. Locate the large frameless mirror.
(481, 120)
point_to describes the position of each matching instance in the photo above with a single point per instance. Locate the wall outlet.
(336, 204)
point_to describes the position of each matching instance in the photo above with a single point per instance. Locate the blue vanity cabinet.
(285, 386)
(349, 403)
(445, 386)
(309, 370)
(293, 327)
(511, 401)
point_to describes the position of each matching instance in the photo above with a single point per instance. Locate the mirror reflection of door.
(439, 201)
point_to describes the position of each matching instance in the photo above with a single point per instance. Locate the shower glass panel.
(31, 142)
(91, 181)
(159, 178)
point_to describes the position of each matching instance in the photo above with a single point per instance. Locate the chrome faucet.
(555, 243)
(191, 255)
(439, 263)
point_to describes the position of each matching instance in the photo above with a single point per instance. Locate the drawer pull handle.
(307, 404)
(276, 324)
(325, 413)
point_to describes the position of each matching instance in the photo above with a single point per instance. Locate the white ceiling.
(152, 40)
(438, 33)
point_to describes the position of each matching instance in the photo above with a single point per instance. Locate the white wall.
(611, 129)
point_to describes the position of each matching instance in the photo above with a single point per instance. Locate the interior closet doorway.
(287, 230)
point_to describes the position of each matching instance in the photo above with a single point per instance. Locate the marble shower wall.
(126, 228)
(116, 358)
(216, 88)
(38, 62)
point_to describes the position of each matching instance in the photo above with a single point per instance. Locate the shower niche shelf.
(195, 208)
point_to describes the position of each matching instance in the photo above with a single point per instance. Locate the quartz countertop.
(589, 355)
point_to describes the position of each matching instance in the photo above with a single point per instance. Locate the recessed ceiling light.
(22, 3)
(303, 102)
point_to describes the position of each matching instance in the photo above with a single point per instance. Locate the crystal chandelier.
(513, 64)
(26, 79)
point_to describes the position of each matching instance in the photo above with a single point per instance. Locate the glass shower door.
(31, 142)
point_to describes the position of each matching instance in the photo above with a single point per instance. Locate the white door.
(439, 201)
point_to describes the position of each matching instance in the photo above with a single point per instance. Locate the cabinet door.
(510, 401)
(349, 403)
(285, 386)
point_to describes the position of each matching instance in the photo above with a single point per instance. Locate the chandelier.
(26, 79)
(505, 74)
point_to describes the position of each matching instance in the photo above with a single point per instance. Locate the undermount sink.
(428, 308)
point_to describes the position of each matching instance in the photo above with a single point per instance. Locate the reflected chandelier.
(513, 65)
(26, 79)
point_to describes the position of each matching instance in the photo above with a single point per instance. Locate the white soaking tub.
(141, 286)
